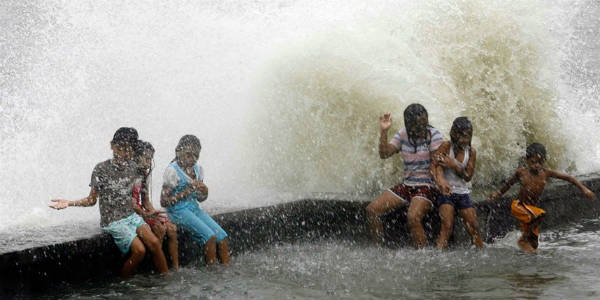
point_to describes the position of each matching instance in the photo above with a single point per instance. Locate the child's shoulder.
(103, 166)
(433, 130)
(445, 146)
(521, 170)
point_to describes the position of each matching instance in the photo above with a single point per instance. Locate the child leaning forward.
(158, 222)
(183, 188)
(533, 180)
(454, 167)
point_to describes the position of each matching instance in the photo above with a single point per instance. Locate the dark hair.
(536, 149)
(460, 125)
(411, 115)
(142, 147)
(125, 135)
(188, 140)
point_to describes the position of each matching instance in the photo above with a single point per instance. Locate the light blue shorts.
(188, 215)
(124, 231)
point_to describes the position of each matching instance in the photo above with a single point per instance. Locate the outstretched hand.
(59, 203)
(385, 121)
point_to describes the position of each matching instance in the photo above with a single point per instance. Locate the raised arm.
(555, 174)
(385, 149)
(90, 200)
(512, 180)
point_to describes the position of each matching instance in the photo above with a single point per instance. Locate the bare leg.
(138, 251)
(533, 237)
(211, 250)
(470, 217)
(223, 248)
(529, 240)
(525, 245)
(155, 247)
(385, 203)
(159, 230)
(173, 244)
(417, 209)
(447, 216)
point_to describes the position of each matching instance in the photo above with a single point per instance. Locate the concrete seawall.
(37, 270)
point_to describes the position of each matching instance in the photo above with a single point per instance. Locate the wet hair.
(188, 140)
(536, 149)
(412, 113)
(125, 135)
(142, 147)
(460, 125)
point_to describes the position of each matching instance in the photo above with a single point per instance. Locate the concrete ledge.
(40, 269)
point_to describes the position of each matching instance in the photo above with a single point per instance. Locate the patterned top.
(175, 178)
(416, 164)
(115, 188)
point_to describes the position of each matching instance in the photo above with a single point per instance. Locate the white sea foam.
(284, 95)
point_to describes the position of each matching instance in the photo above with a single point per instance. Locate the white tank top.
(458, 185)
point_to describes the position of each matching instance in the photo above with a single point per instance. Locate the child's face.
(188, 156)
(122, 150)
(145, 160)
(535, 163)
(419, 129)
(463, 138)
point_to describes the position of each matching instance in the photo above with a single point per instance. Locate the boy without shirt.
(533, 180)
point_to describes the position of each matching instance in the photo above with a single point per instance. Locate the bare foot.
(526, 246)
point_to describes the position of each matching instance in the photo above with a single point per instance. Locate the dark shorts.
(407, 192)
(459, 201)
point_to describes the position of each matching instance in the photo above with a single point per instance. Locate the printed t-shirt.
(416, 163)
(114, 184)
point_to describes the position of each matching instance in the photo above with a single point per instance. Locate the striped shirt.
(416, 164)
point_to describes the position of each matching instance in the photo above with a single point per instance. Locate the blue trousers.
(188, 215)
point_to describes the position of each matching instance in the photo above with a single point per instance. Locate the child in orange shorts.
(533, 180)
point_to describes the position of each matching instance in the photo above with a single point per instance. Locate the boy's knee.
(159, 229)
(172, 231)
(414, 219)
(154, 244)
(372, 211)
(138, 250)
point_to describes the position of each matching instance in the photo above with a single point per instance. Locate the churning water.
(567, 267)
(284, 95)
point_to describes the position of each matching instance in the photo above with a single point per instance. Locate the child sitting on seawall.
(183, 188)
(112, 187)
(416, 142)
(533, 180)
(454, 166)
(156, 219)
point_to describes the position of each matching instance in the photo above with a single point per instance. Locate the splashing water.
(284, 95)
(497, 63)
